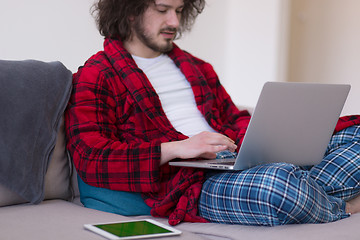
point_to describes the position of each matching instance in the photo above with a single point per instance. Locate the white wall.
(48, 30)
(245, 40)
(325, 45)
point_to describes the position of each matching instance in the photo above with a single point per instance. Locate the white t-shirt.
(175, 93)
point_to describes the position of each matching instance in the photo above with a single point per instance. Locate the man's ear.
(131, 18)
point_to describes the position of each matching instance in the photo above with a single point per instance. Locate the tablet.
(134, 229)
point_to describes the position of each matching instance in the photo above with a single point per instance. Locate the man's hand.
(202, 145)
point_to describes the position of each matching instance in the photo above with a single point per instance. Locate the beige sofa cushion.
(57, 219)
(57, 178)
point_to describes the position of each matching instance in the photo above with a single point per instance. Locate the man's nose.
(173, 19)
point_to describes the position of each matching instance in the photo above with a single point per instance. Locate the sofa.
(58, 213)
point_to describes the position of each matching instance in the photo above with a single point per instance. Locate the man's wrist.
(168, 152)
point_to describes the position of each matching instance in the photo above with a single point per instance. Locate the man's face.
(158, 26)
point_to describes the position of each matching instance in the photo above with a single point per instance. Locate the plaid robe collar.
(143, 92)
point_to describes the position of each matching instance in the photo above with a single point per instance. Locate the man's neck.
(135, 47)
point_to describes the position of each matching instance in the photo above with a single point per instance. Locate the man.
(143, 102)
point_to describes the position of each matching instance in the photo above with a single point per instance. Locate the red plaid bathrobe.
(115, 125)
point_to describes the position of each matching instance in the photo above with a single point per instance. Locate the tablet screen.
(133, 229)
(127, 229)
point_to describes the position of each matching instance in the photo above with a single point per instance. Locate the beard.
(148, 39)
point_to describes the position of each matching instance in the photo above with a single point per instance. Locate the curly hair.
(113, 16)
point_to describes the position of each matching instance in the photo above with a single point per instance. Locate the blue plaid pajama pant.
(281, 193)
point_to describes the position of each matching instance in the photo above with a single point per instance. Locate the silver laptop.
(292, 123)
